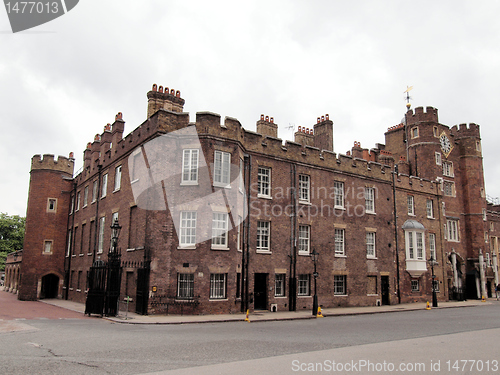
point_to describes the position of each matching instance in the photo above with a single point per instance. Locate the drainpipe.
(292, 295)
(67, 271)
(98, 195)
(246, 246)
(482, 276)
(396, 230)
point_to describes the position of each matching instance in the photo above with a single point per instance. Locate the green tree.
(11, 235)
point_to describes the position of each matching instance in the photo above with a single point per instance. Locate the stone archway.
(50, 286)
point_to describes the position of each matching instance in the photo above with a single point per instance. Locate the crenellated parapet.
(49, 162)
(429, 115)
(465, 130)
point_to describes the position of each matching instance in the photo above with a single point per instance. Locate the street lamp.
(314, 257)
(434, 296)
(115, 233)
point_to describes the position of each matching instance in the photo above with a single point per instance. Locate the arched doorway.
(50, 286)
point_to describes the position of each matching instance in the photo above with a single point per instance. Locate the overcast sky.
(63, 81)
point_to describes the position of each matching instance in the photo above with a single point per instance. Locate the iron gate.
(103, 289)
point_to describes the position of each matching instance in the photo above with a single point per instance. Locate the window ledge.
(217, 300)
(340, 256)
(372, 295)
(80, 255)
(264, 252)
(73, 255)
(340, 295)
(186, 247)
(371, 257)
(224, 248)
(189, 183)
(304, 296)
(303, 253)
(264, 196)
(339, 208)
(114, 191)
(371, 212)
(280, 297)
(306, 203)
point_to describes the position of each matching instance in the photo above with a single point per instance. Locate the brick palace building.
(218, 219)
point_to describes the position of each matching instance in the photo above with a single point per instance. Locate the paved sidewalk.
(259, 316)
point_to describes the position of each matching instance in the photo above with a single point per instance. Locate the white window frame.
(432, 246)
(448, 169)
(449, 188)
(263, 236)
(219, 230)
(95, 191)
(452, 230)
(47, 246)
(185, 286)
(304, 188)
(85, 196)
(304, 239)
(438, 158)
(338, 188)
(340, 285)
(410, 200)
(218, 286)
(187, 236)
(429, 206)
(339, 242)
(264, 182)
(100, 243)
(52, 204)
(414, 132)
(118, 178)
(304, 285)
(370, 200)
(222, 169)
(78, 199)
(190, 163)
(370, 245)
(415, 285)
(279, 284)
(104, 187)
(415, 245)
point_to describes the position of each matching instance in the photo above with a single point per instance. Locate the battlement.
(465, 130)
(430, 115)
(49, 162)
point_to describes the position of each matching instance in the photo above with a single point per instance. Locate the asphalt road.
(95, 346)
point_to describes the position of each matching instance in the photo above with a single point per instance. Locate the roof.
(413, 224)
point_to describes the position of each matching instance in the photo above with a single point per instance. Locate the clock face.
(445, 144)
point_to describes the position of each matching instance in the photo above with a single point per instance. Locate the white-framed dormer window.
(222, 168)
(411, 205)
(118, 178)
(264, 182)
(448, 169)
(339, 242)
(104, 185)
(452, 230)
(263, 234)
(304, 188)
(187, 235)
(338, 188)
(370, 245)
(304, 239)
(370, 200)
(219, 230)
(430, 208)
(438, 158)
(190, 159)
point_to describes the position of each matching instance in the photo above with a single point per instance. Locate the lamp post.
(314, 257)
(434, 296)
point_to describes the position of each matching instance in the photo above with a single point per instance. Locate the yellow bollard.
(428, 306)
(319, 314)
(246, 319)
(483, 299)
